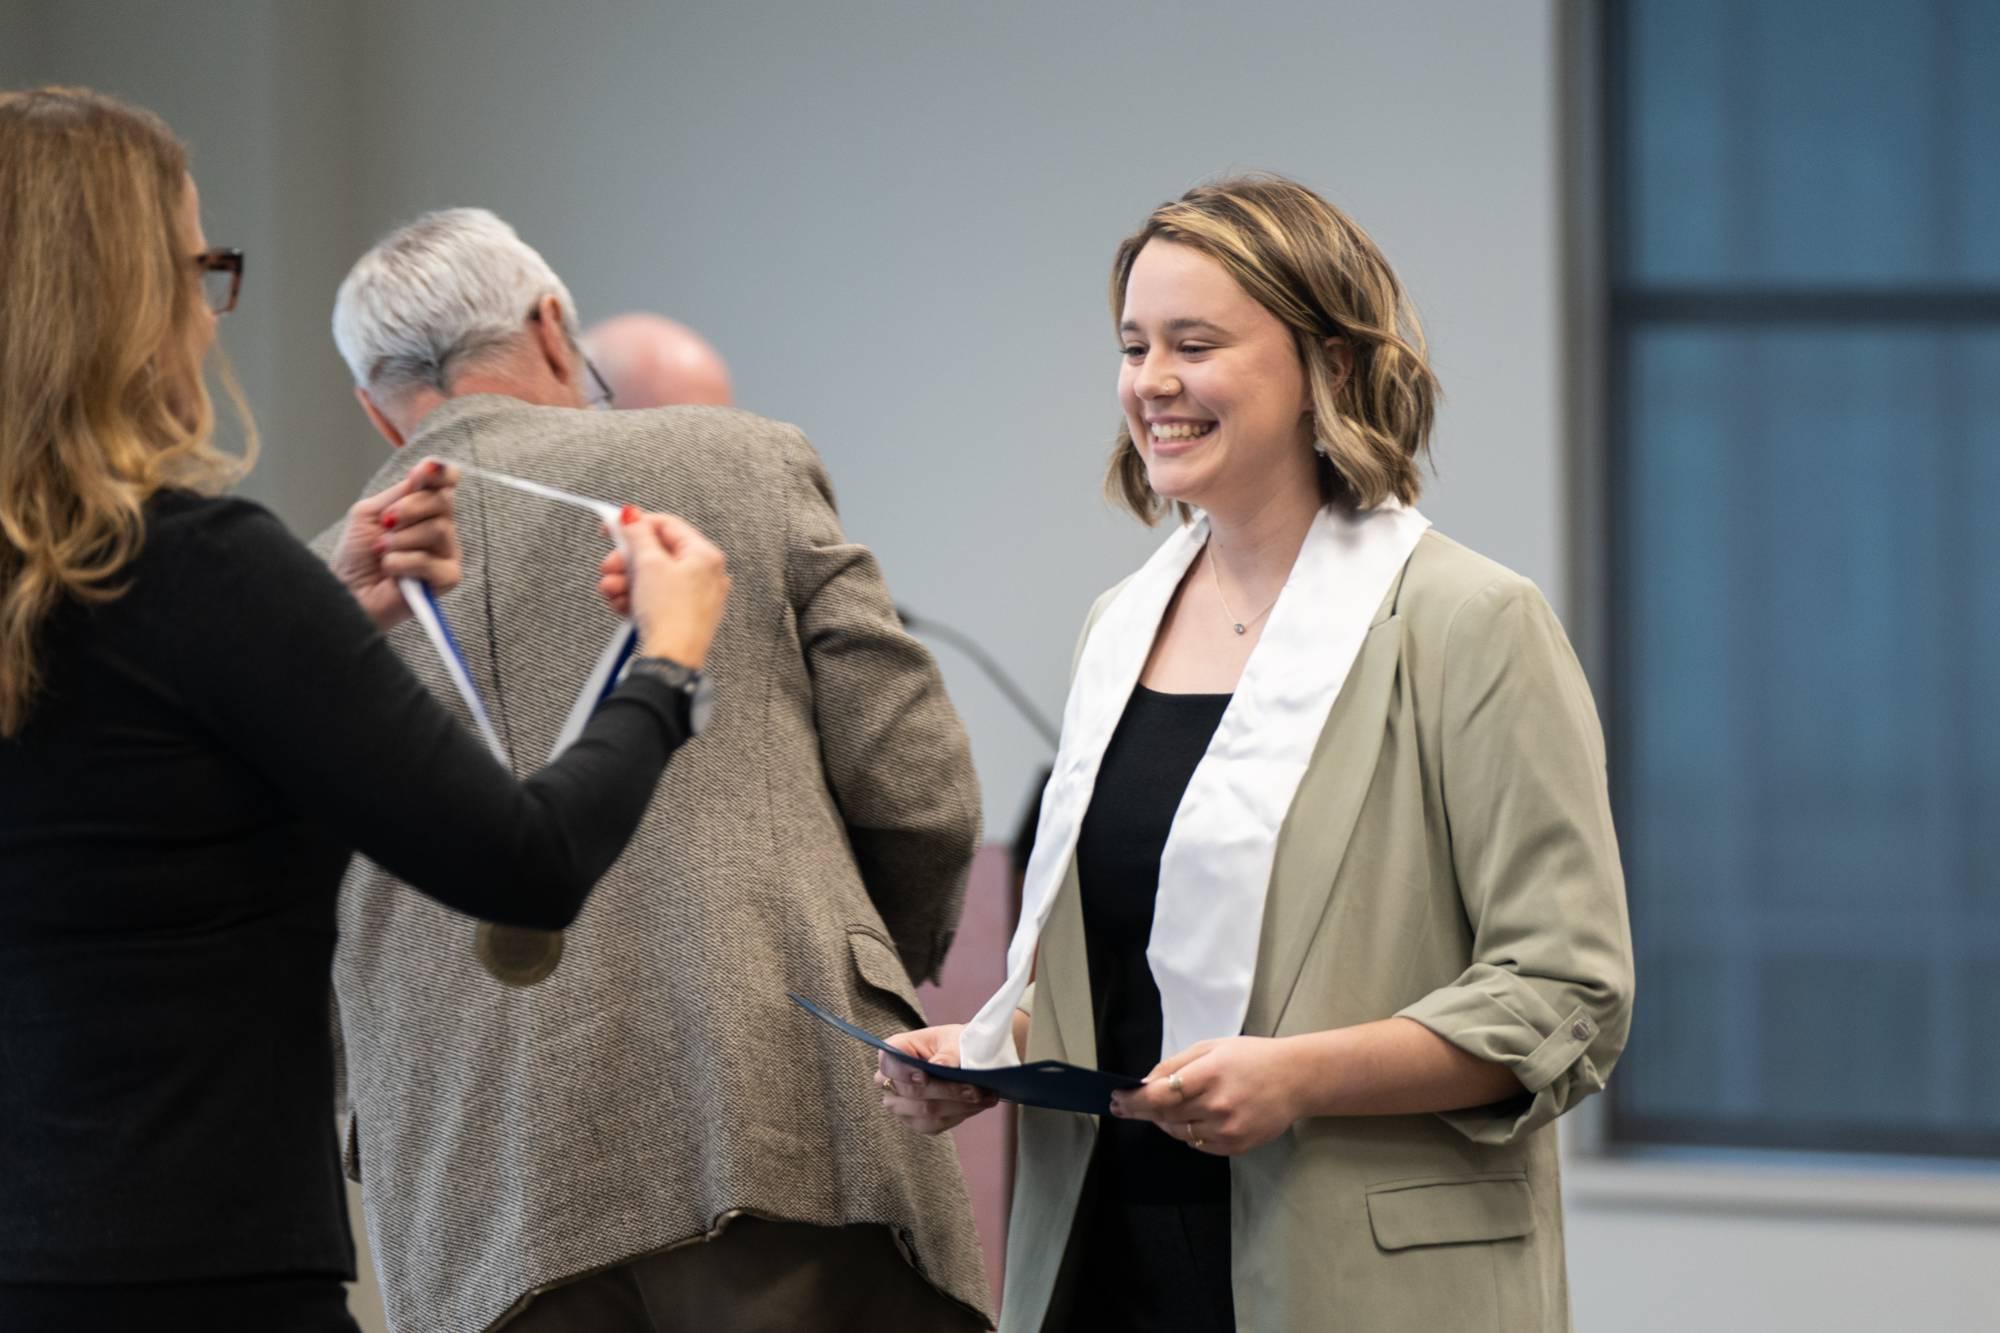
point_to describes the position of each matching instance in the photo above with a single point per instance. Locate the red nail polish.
(629, 514)
(388, 520)
(437, 468)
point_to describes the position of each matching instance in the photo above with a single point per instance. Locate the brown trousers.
(756, 1277)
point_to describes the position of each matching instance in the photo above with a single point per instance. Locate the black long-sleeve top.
(175, 819)
(1147, 766)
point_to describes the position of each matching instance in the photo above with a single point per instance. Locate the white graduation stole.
(1216, 867)
(517, 955)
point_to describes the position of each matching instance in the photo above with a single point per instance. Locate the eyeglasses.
(600, 395)
(221, 278)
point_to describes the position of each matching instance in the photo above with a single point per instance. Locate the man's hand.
(407, 531)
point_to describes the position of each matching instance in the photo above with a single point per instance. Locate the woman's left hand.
(1224, 1097)
(405, 532)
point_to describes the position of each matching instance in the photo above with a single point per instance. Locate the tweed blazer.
(815, 838)
(1448, 857)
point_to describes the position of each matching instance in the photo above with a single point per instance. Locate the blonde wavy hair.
(102, 401)
(1307, 263)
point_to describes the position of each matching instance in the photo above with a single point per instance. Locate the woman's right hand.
(924, 1104)
(674, 587)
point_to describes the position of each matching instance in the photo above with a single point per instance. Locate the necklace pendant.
(1239, 629)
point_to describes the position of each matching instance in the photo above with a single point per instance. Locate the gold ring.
(1174, 1082)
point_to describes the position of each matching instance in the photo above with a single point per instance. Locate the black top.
(175, 818)
(1146, 769)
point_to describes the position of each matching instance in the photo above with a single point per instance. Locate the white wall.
(895, 220)
(17, 44)
(1764, 1249)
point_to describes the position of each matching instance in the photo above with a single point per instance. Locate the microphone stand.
(992, 669)
(1023, 842)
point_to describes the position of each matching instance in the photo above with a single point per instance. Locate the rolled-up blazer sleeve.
(1548, 992)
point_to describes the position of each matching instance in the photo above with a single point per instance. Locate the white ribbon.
(424, 607)
(1216, 867)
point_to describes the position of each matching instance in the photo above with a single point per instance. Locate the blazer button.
(1581, 1030)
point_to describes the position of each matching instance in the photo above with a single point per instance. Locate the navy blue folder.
(1050, 1083)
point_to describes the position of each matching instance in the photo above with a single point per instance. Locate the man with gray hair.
(629, 1126)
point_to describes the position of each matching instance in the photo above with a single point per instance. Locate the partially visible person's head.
(452, 303)
(103, 331)
(652, 361)
(1222, 279)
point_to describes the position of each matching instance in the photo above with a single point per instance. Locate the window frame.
(1613, 1160)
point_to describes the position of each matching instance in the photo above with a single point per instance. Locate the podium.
(973, 971)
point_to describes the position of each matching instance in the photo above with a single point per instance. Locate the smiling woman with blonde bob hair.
(1326, 856)
(1358, 338)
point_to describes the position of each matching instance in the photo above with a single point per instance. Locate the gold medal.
(517, 955)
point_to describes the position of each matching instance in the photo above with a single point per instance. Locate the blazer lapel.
(1062, 970)
(1321, 822)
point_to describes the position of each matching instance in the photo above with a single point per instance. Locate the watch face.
(701, 707)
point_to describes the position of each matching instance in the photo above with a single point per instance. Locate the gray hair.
(448, 289)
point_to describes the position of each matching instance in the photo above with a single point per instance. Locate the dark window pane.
(1809, 142)
(1837, 1031)
(1675, 81)
(1980, 990)
(1806, 615)
(1807, 645)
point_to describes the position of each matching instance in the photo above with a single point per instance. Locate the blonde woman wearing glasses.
(1326, 856)
(198, 725)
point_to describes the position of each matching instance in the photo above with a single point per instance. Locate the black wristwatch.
(693, 694)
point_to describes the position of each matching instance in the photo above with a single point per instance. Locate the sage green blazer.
(1449, 857)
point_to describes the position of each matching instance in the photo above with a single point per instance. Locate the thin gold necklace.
(1241, 626)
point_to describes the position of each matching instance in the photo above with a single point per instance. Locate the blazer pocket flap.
(881, 968)
(1451, 1212)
